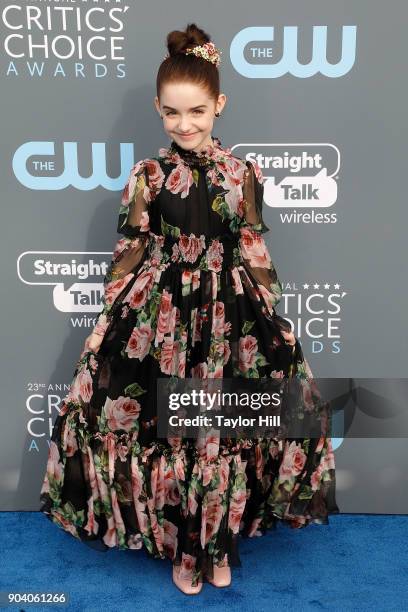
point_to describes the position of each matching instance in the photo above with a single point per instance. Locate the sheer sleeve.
(253, 250)
(130, 249)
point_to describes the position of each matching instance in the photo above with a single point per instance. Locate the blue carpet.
(357, 562)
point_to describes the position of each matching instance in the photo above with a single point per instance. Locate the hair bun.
(178, 41)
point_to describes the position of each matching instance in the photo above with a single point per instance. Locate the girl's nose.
(184, 125)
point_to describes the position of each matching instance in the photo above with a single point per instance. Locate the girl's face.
(188, 114)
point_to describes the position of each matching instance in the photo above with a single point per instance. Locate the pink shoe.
(222, 576)
(185, 585)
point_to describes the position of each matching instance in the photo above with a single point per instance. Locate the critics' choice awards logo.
(297, 176)
(316, 309)
(253, 52)
(61, 40)
(43, 405)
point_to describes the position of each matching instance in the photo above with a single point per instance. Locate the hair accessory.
(208, 51)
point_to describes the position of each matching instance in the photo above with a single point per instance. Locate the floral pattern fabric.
(190, 293)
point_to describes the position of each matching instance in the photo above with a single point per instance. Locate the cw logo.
(70, 175)
(289, 61)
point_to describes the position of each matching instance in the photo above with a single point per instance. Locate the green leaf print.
(196, 176)
(236, 257)
(239, 482)
(172, 230)
(101, 420)
(119, 491)
(54, 489)
(122, 539)
(211, 545)
(147, 543)
(247, 326)
(260, 360)
(288, 484)
(306, 493)
(220, 206)
(134, 390)
(160, 516)
(217, 204)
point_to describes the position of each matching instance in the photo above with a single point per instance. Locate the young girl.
(190, 293)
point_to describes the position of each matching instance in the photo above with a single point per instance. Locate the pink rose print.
(211, 516)
(170, 538)
(54, 467)
(91, 525)
(316, 477)
(180, 180)
(254, 249)
(137, 481)
(223, 351)
(155, 180)
(113, 288)
(164, 317)
(172, 492)
(236, 281)
(168, 356)
(224, 471)
(144, 222)
(155, 175)
(214, 256)
(236, 509)
(191, 247)
(70, 442)
(139, 342)
(293, 461)
(137, 296)
(248, 348)
(121, 413)
(81, 387)
(200, 371)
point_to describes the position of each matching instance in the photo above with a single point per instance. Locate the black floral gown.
(191, 292)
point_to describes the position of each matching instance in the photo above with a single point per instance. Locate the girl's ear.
(222, 100)
(157, 104)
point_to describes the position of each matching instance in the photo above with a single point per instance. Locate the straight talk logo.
(76, 279)
(297, 176)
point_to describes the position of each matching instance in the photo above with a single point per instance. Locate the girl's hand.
(289, 337)
(93, 342)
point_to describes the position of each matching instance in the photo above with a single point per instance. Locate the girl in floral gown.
(191, 292)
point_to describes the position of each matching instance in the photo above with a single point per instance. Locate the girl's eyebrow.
(193, 108)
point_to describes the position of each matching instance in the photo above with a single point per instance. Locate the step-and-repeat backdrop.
(316, 95)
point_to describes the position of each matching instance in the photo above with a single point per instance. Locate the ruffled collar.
(207, 156)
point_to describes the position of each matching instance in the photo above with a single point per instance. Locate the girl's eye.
(200, 112)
